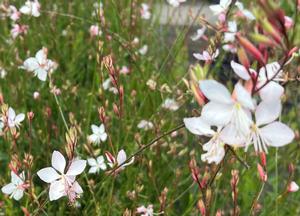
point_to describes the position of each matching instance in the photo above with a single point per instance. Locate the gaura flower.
(17, 186)
(175, 3)
(266, 131)
(31, 8)
(170, 104)
(223, 109)
(246, 13)
(17, 30)
(95, 31)
(62, 182)
(215, 146)
(220, 8)
(14, 120)
(143, 50)
(96, 164)
(206, 56)
(272, 89)
(99, 134)
(13, 13)
(146, 125)
(145, 211)
(145, 13)
(39, 65)
(199, 34)
(119, 161)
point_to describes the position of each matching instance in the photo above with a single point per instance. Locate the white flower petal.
(9, 188)
(240, 70)
(57, 190)
(267, 112)
(271, 91)
(76, 167)
(41, 74)
(277, 134)
(93, 169)
(58, 161)
(92, 161)
(121, 157)
(215, 91)
(19, 118)
(197, 126)
(48, 174)
(216, 113)
(18, 194)
(243, 96)
(31, 64)
(77, 188)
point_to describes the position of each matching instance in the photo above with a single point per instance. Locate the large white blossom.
(17, 186)
(62, 183)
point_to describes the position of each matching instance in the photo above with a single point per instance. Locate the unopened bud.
(292, 187)
(30, 116)
(263, 176)
(201, 207)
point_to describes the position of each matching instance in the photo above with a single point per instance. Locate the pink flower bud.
(263, 159)
(263, 176)
(293, 187)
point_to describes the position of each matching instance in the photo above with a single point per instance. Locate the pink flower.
(95, 31)
(18, 29)
(288, 22)
(13, 13)
(124, 70)
(145, 211)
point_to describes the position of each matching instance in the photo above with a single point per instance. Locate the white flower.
(229, 36)
(121, 158)
(107, 86)
(1, 126)
(175, 3)
(145, 13)
(152, 84)
(266, 131)
(206, 56)
(96, 164)
(222, 109)
(62, 182)
(293, 187)
(214, 147)
(14, 120)
(145, 211)
(272, 89)
(146, 125)
(31, 8)
(220, 8)
(245, 12)
(170, 104)
(39, 64)
(3, 73)
(99, 134)
(143, 50)
(17, 186)
(199, 34)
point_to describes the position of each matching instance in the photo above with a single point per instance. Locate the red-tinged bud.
(110, 157)
(263, 176)
(30, 116)
(292, 51)
(298, 5)
(263, 159)
(219, 213)
(292, 187)
(101, 113)
(251, 49)
(121, 91)
(116, 109)
(201, 207)
(25, 211)
(291, 168)
(1, 99)
(199, 96)
(243, 58)
(48, 112)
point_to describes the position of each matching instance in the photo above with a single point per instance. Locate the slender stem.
(244, 163)
(257, 198)
(61, 112)
(147, 146)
